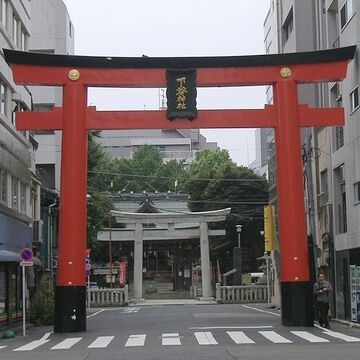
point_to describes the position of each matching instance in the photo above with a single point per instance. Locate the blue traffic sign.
(26, 254)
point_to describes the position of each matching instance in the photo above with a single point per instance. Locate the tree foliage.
(213, 182)
(98, 204)
(146, 171)
(216, 182)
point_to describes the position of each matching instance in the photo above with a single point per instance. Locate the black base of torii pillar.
(297, 304)
(70, 309)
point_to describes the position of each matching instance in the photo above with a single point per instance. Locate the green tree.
(216, 182)
(98, 204)
(146, 171)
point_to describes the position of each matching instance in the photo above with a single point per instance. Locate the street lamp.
(267, 264)
(110, 250)
(238, 229)
(237, 259)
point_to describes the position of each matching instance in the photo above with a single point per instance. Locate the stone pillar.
(138, 262)
(205, 262)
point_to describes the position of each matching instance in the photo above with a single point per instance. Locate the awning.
(9, 256)
(12, 256)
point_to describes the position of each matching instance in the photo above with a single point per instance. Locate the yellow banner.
(268, 228)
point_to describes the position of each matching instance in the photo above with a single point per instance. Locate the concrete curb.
(349, 323)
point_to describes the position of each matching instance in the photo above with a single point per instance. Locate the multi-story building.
(289, 27)
(331, 154)
(337, 166)
(52, 32)
(19, 186)
(173, 144)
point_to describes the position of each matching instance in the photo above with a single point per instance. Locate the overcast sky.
(175, 28)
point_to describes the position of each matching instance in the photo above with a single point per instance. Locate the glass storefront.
(10, 293)
(3, 314)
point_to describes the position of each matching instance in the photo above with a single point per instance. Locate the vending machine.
(355, 292)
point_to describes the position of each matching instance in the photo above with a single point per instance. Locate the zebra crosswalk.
(203, 338)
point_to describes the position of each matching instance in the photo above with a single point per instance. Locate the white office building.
(331, 154)
(52, 32)
(19, 187)
(173, 144)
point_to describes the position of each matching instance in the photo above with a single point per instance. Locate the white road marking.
(31, 345)
(136, 340)
(96, 313)
(131, 310)
(205, 338)
(263, 311)
(275, 337)
(101, 342)
(230, 327)
(309, 337)
(66, 344)
(341, 336)
(2, 347)
(45, 337)
(171, 339)
(240, 338)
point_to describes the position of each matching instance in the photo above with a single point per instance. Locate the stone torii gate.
(283, 72)
(139, 234)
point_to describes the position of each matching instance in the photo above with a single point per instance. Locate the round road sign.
(26, 254)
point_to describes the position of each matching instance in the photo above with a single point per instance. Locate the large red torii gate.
(76, 73)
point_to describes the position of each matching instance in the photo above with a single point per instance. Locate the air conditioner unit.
(37, 231)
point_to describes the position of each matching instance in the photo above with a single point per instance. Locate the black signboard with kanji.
(181, 94)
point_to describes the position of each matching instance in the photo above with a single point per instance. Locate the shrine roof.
(310, 57)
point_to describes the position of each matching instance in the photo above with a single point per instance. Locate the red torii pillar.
(76, 73)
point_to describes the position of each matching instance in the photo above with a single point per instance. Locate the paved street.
(186, 332)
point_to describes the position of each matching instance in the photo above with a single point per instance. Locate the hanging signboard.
(122, 273)
(181, 94)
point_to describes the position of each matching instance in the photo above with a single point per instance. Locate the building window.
(346, 12)
(335, 94)
(23, 197)
(357, 193)
(4, 5)
(268, 41)
(15, 193)
(15, 30)
(354, 99)
(19, 107)
(339, 137)
(23, 40)
(323, 196)
(340, 189)
(3, 186)
(70, 29)
(288, 26)
(2, 99)
(324, 181)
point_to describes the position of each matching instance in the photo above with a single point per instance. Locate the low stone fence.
(241, 294)
(195, 292)
(109, 297)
